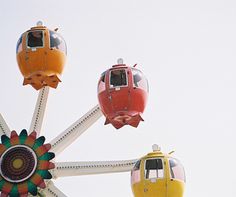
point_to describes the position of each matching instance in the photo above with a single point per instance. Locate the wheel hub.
(18, 163)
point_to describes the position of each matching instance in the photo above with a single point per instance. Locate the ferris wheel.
(28, 165)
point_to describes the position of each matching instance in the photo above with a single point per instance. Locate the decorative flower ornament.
(24, 164)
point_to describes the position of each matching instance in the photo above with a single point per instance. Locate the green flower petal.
(23, 135)
(32, 188)
(39, 142)
(6, 141)
(2, 182)
(47, 156)
(14, 191)
(45, 174)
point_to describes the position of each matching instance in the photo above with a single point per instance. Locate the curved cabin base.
(158, 189)
(124, 118)
(40, 79)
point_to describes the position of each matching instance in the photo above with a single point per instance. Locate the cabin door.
(35, 53)
(155, 181)
(119, 89)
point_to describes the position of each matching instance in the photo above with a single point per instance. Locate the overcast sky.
(187, 51)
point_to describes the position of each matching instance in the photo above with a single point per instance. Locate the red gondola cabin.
(122, 95)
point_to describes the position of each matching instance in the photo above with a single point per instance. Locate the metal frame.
(63, 140)
(68, 136)
(4, 129)
(37, 120)
(65, 169)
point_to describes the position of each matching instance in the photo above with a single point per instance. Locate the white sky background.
(187, 51)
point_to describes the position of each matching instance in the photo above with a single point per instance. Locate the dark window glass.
(101, 83)
(57, 42)
(139, 79)
(137, 165)
(19, 45)
(118, 78)
(35, 39)
(154, 169)
(176, 170)
(135, 173)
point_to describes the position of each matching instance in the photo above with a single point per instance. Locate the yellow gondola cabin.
(158, 175)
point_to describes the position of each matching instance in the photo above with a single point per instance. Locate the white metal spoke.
(75, 130)
(52, 191)
(64, 169)
(4, 129)
(39, 110)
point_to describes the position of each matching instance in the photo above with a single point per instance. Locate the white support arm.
(64, 169)
(75, 130)
(39, 110)
(51, 191)
(4, 129)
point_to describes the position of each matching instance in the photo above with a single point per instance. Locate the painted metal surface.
(37, 120)
(122, 95)
(64, 169)
(41, 56)
(68, 136)
(164, 180)
(4, 128)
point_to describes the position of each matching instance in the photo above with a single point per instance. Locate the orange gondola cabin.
(122, 95)
(41, 55)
